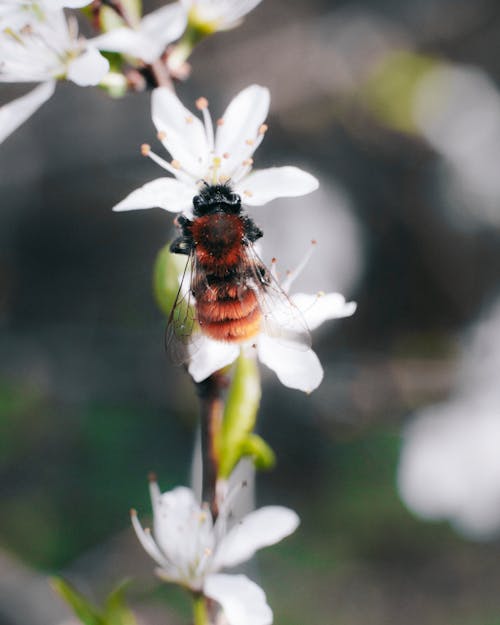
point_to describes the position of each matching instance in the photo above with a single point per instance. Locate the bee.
(234, 292)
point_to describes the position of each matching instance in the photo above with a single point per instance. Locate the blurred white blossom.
(190, 549)
(15, 13)
(217, 14)
(449, 467)
(146, 41)
(200, 154)
(44, 49)
(457, 109)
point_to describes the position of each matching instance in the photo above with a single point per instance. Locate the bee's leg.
(251, 229)
(181, 245)
(184, 224)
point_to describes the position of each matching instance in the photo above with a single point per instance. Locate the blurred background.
(394, 462)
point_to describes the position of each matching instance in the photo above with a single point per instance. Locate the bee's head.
(216, 198)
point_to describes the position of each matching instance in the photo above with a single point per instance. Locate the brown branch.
(211, 413)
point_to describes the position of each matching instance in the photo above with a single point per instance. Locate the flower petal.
(243, 602)
(165, 24)
(126, 41)
(182, 529)
(265, 185)
(148, 42)
(294, 366)
(148, 543)
(15, 113)
(167, 193)
(208, 356)
(184, 134)
(242, 120)
(89, 68)
(318, 308)
(258, 529)
(70, 4)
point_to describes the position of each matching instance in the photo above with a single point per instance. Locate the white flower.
(148, 39)
(200, 154)
(44, 49)
(17, 13)
(218, 14)
(296, 365)
(190, 549)
(449, 467)
(151, 36)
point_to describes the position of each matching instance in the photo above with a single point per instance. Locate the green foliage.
(390, 90)
(114, 611)
(166, 273)
(109, 19)
(240, 414)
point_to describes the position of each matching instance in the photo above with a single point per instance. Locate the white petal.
(265, 185)
(185, 137)
(15, 113)
(165, 24)
(294, 366)
(148, 543)
(89, 68)
(208, 356)
(70, 4)
(149, 41)
(243, 602)
(319, 308)
(242, 120)
(125, 41)
(167, 193)
(184, 532)
(258, 529)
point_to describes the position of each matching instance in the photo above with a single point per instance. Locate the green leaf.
(240, 415)
(116, 611)
(83, 609)
(262, 454)
(167, 269)
(109, 18)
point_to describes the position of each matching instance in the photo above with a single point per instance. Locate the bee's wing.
(182, 328)
(281, 318)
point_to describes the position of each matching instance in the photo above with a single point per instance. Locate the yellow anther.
(249, 141)
(226, 155)
(220, 122)
(175, 164)
(321, 293)
(247, 162)
(313, 242)
(162, 135)
(145, 149)
(201, 103)
(189, 119)
(263, 129)
(247, 193)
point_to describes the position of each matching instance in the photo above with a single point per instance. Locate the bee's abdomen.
(232, 319)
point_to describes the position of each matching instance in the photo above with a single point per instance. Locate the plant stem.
(200, 610)
(211, 413)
